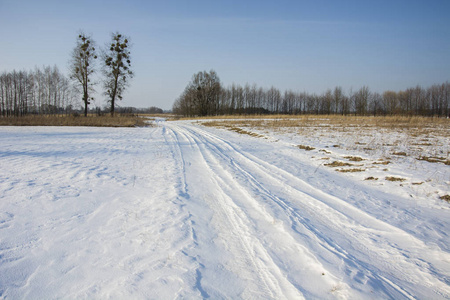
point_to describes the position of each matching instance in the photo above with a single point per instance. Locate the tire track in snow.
(431, 275)
(81, 227)
(371, 243)
(250, 253)
(196, 270)
(231, 219)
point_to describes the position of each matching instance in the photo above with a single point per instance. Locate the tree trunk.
(113, 96)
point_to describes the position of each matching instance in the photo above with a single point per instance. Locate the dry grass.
(413, 126)
(92, 121)
(435, 160)
(391, 178)
(307, 148)
(232, 128)
(335, 164)
(445, 198)
(371, 178)
(332, 121)
(339, 131)
(400, 153)
(351, 170)
(422, 144)
(382, 162)
(353, 158)
(242, 131)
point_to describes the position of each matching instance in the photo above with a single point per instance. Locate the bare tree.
(338, 96)
(375, 103)
(82, 66)
(390, 102)
(201, 96)
(117, 68)
(361, 100)
(327, 102)
(237, 99)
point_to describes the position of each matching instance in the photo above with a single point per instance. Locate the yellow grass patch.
(351, 170)
(391, 178)
(353, 158)
(335, 164)
(307, 148)
(94, 121)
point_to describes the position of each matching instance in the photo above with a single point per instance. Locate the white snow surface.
(179, 210)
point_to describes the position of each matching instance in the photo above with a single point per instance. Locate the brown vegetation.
(335, 164)
(382, 162)
(353, 158)
(232, 128)
(416, 125)
(94, 121)
(242, 131)
(399, 153)
(391, 178)
(307, 148)
(351, 170)
(435, 160)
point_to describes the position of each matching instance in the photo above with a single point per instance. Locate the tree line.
(41, 91)
(205, 96)
(48, 91)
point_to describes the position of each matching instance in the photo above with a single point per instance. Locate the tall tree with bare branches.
(116, 68)
(82, 66)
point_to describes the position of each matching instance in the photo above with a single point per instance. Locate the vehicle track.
(262, 278)
(349, 245)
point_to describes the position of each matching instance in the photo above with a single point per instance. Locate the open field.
(423, 138)
(338, 139)
(282, 121)
(235, 209)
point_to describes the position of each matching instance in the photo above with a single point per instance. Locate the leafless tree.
(201, 95)
(116, 68)
(390, 102)
(250, 99)
(82, 66)
(361, 100)
(32, 92)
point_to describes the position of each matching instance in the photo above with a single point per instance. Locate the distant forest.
(205, 96)
(46, 91)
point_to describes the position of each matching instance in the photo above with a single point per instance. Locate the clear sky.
(300, 45)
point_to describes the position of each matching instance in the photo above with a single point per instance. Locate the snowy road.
(184, 211)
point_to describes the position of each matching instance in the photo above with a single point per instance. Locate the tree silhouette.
(116, 68)
(82, 66)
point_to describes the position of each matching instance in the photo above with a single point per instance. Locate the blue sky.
(300, 45)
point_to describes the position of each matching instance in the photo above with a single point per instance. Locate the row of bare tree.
(205, 95)
(41, 91)
(48, 91)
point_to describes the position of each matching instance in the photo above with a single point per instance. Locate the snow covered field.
(180, 210)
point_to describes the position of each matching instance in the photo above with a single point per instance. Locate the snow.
(180, 210)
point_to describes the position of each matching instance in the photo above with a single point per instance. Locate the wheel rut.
(331, 236)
